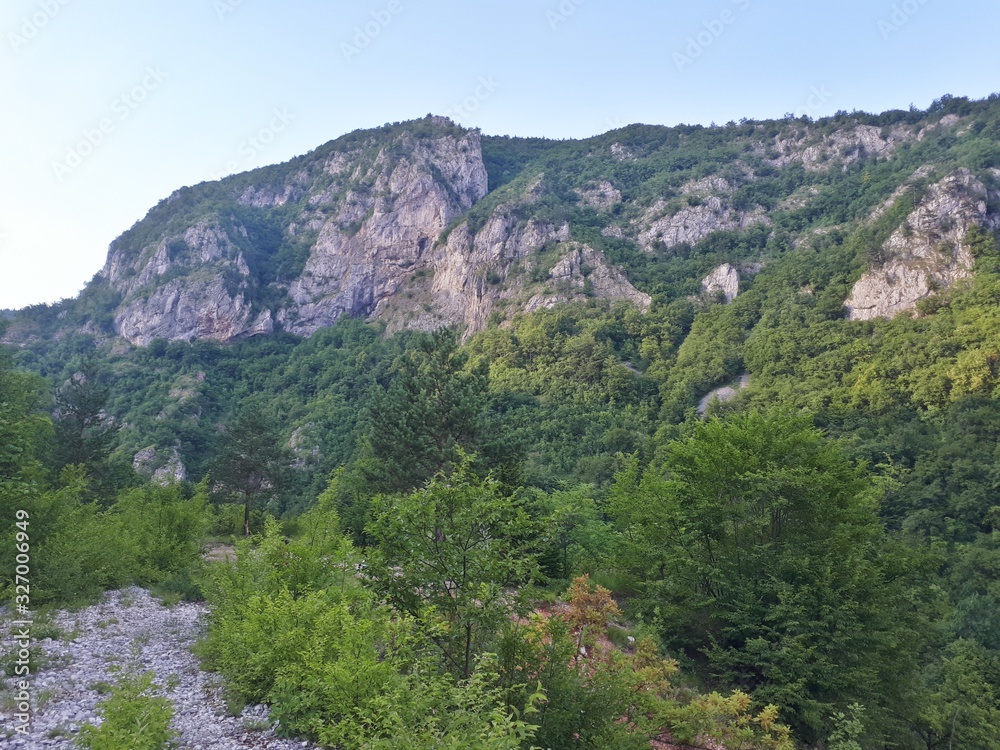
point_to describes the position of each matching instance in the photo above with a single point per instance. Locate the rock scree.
(130, 626)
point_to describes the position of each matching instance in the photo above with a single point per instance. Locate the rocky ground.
(131, 626)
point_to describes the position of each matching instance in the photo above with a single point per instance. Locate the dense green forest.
(558, 550)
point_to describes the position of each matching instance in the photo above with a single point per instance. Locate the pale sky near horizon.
(109, 106)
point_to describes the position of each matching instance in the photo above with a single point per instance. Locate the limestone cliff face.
(693, 222)
(724, 280)
(927, 253)
(508, 266)
(371, 219)
(192, 286)
(391, 224)
(403, 208)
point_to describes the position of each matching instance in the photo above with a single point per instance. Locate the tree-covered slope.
(828, 544)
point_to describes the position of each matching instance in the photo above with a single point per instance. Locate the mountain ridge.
(427, 224)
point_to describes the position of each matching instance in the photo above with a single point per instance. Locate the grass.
(36, 658)
(101, 687)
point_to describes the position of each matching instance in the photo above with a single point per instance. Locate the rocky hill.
(359, 228)
(427, 224)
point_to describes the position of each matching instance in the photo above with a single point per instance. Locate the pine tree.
(253, 463)
(84, 434)
(434, 406)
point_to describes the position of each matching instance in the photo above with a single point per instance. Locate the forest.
(532, 537)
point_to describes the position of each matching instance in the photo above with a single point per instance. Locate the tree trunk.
(468, 651)
(246, 515)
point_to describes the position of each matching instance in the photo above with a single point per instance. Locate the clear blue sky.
(173, 92)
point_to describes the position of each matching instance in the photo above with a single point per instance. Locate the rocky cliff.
(369, 217)
(427, 224)
(927, 253)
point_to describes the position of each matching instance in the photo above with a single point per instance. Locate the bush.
(150, 535)
(135, 717)
(167, 528)
(91, 553)
(287, 629)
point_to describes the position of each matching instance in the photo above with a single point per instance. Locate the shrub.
(135, 717)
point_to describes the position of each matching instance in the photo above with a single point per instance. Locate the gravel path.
(131, 625)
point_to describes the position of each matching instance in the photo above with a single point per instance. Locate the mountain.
(614, 284)
(426, 224)
(826, 293)
(360, 228)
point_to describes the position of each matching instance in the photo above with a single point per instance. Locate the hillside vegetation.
(560, 549)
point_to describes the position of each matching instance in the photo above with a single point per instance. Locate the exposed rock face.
(202, 297)
(404, 211)
(372, 218)
(723, 280)
(390, 224)
(723, 395)
(579, 268)
(707, 185)
(602, 196)
(927, 253)
(621, 152)
(184, 310)
(840, 148)
(502, 268)
(163, 467)
(693, 223)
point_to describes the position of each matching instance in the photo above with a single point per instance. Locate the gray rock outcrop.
(372, 221)
(927, 253)
(693, 223)
(162, 467)
(724, 280)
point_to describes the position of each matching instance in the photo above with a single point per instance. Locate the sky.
(111, 105)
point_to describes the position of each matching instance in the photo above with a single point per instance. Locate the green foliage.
(753, 546)
(571, 385)
(963, 709)
(274, 583)
(729, 721)
(422, 709)
(432, 409)
(583, 706)
(600, 698)
(150, 535)
(848, 729)
(135, 717)
(288, 627)
(168, 527)
(83, 435)
(574, 537)
(759, 547)
(454, 551)
(252, 464)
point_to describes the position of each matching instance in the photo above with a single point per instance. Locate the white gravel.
(132, 626)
